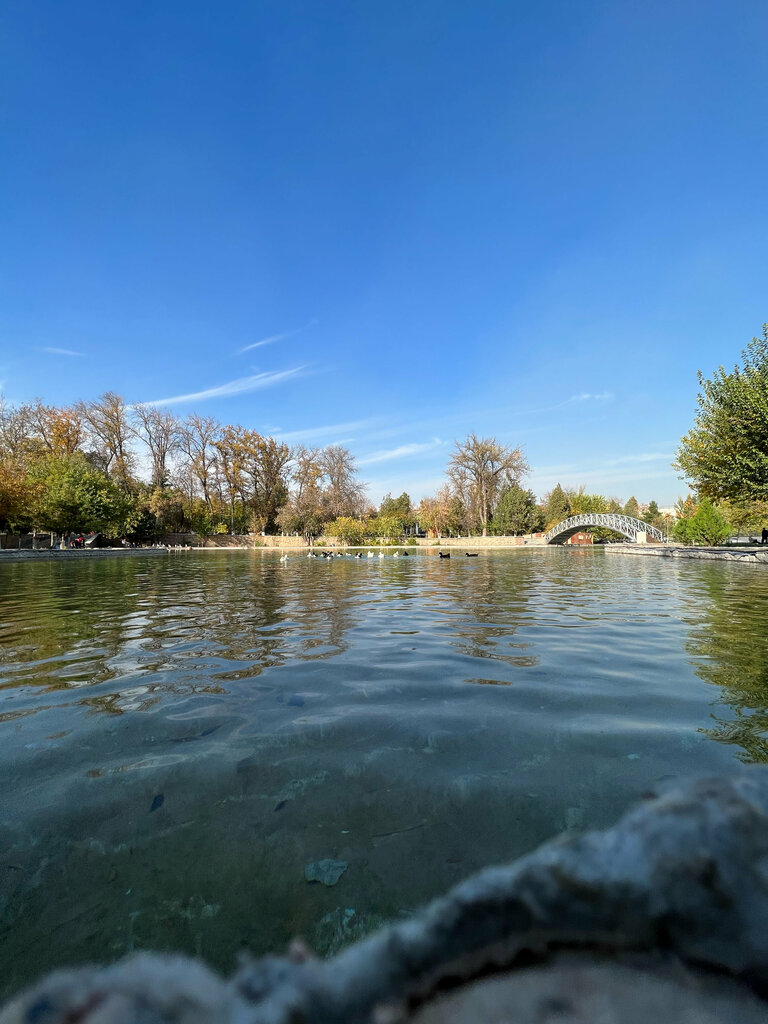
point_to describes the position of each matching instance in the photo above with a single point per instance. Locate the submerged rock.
(342, 927)
(326, 871)
(664, 916)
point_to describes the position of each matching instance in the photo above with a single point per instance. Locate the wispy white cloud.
(317, 433)
(597, 465)
(275, 337)
(403, 451)
(586, 396)
(258, 344)
(256, 382)
(62, 352)
(627, 460)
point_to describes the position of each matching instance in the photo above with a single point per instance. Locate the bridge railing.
(627, 525)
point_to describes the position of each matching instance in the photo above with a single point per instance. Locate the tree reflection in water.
(729, 646)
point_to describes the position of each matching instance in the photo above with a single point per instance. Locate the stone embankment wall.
(747, 556)
(250, 540)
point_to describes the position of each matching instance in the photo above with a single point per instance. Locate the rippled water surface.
(181, 734)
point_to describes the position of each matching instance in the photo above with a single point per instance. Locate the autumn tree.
(229, 446)
(303, 511)
(348, 529)
(443, 513)
(264, 463)
(197, 442)
(17, 494)
(478, 468)
(108, 427)
(55, 431)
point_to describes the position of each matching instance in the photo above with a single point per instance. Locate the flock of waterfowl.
(369, 554)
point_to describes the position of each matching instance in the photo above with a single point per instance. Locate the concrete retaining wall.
(749, 556)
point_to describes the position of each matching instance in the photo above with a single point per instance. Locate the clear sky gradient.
(386, 224)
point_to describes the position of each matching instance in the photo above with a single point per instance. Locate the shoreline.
(747, 556)
(48, 554)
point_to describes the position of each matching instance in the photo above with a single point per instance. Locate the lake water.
(181, 735)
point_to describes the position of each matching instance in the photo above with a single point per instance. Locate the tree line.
(138, 472)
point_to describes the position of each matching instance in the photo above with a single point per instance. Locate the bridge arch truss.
(627, 525)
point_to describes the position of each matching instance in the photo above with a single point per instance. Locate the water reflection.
(729, 646)
(182, 735)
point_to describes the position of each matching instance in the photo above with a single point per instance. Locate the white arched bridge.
(627, 525)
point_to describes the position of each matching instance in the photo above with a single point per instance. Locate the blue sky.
(387, 224)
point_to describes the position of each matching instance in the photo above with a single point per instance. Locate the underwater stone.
(326, 871)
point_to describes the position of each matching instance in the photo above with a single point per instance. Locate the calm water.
(180, 735)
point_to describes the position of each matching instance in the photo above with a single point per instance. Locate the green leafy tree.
(556, 506)
(400, 510)
(386, 527)
(74, 496)
(632, 508)
(652, 514)
(725, 454)
(705, 526)
(17, 494)
(348, 529)
(516, 513)
(582, 502)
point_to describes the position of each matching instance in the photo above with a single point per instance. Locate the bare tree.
(303, 512)
(109, 430)
(344, 494)
(478, 468)
(198, 443)
(16, 429)
(161, 433)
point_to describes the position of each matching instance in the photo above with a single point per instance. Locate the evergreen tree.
(705, 526)
(557, 507)
(516, 513)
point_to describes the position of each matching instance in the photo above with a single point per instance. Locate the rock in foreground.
(664, 916)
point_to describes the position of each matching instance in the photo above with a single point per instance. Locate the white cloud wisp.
(403, 451)
(63, 352)
(256, 382)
